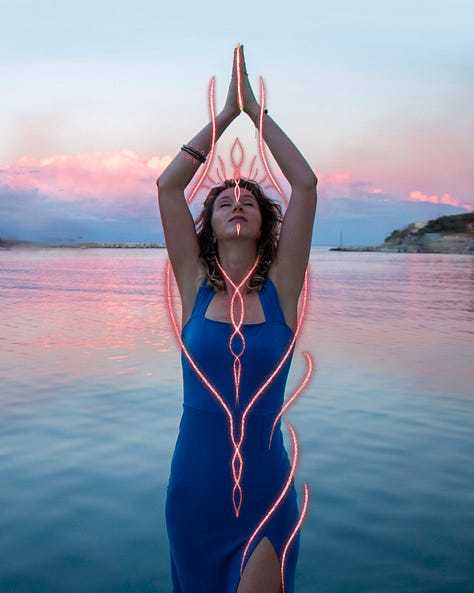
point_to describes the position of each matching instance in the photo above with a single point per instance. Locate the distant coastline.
(12, 244)
(446, 234)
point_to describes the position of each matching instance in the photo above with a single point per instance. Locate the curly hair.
(266, 245)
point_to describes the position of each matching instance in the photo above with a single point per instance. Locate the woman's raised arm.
(294, 245)
(178, 224)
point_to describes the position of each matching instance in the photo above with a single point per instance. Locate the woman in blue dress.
(231, 504)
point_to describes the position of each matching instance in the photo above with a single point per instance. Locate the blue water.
(90, 403)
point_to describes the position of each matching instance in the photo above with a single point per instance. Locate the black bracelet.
(194, 153)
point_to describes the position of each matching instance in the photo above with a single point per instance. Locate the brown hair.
(266, 244)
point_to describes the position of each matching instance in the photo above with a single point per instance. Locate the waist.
(254, 392)
(218, 426)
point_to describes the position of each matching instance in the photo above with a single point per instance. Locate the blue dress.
(218, 495)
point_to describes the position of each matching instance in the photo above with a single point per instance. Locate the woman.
(231, 506)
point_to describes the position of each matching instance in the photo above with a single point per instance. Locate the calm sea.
(90, 399)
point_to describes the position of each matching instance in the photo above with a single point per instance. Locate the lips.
(238, 218)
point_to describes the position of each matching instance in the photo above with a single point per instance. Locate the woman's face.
(232, 217)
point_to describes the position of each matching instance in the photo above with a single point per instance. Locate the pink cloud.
(446, 198)
(343, 184)
(398, 156)
(333, 184)
(337, 178)
(124, 178)
(96, 176)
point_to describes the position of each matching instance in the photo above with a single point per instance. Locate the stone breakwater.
(9, 244)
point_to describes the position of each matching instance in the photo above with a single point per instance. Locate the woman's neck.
(237, 259)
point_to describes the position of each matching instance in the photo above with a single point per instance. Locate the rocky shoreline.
(462, 244)
(447, 234)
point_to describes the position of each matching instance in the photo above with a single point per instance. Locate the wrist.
(228, 114)
(253, 112)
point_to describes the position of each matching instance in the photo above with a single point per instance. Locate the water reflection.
(406, 313)
(90, 402)
(74, 314)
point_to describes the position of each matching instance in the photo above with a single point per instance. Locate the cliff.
(447, 234)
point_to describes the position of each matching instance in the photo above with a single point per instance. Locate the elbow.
(308, 180)
(310, 188)
(315, 186)
(312, 185)
(313, 180)
(167, 185)
(165, 180)
(159, 183)
(162, 185)
(162, 190)
(306, 184)
(158, 189)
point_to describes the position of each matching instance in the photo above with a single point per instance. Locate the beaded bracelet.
(193, 152)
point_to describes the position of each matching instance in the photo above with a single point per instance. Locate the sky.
(97, 97)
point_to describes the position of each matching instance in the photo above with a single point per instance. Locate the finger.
(234, 62)
(237, 54)
(241, 69)
(240, 98)
(242, 58)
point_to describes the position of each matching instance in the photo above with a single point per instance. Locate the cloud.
(419, 196)
(343, 184)
(364, 214)
(90, 195)
(111, 196)
(100, 176)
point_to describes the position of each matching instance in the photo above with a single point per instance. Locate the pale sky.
(97, 95)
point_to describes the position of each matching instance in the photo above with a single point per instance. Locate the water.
(90, 404)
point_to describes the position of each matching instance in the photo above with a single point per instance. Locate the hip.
(211, 453)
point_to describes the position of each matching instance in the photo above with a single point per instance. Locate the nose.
(237, 205)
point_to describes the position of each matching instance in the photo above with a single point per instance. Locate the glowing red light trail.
(277, 502)
(293, 534)
(294, 396)
(212, 109)
(237, 462)
(239, 80)
(237, 324)
(262, 146)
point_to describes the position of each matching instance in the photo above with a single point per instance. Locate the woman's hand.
(240, 95)
(249, 102)
(232, 107)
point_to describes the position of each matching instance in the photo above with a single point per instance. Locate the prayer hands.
(240, 96)
(248, 102)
